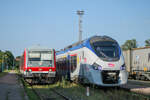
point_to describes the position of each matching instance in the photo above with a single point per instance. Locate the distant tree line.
(129, 44)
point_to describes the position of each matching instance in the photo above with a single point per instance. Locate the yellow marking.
(133, 72)
(77, 60)
(145, 68)
(64, 56)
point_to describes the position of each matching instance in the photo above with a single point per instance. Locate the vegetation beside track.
(78, 92)
(47, 93)
(28, 89)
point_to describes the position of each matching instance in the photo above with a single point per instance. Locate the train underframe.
(40, 78)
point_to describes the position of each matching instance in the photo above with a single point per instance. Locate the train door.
(82, 64)
(75, 65)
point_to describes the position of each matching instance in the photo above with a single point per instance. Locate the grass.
(31, 95)
(6, 72)
(78, 92)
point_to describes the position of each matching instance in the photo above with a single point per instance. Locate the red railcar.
(38, 64)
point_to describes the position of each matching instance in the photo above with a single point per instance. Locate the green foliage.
(129, 44)
(1, 55)
(147, 42)
(9, 58)
(6, 60)
(17, 62)
(78, 92)
(29, 91)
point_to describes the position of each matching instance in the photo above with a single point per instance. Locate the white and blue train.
(97, 60)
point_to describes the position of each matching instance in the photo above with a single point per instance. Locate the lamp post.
(80, 13)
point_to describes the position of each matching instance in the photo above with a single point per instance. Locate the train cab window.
(40, 58)
(109, 51)
(73, 63)
(106, 49)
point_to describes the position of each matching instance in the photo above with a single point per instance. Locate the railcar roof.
(83, 43)
(39, 48)
(101, 38)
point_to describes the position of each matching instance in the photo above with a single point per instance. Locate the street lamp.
(80, 13)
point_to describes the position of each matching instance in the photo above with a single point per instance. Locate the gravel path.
(10, 88)
(138, 86)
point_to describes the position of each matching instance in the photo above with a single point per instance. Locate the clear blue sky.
(54, 23)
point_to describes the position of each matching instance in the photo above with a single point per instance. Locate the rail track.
(52, 94)
(47, 93)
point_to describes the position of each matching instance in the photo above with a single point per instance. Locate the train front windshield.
(106, 49)
(40, 59)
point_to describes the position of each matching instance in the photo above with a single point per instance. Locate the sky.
(54, 23)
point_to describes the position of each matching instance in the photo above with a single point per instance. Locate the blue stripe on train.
(86, 43)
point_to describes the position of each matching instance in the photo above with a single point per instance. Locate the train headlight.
(97, 67)
(123, 67)
(50, 70)
(30, 70)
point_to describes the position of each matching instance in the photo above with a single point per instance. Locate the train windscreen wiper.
(104, 55)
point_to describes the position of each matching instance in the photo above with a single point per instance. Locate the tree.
(147, 42)
(6, 59)
(1, 53)
(129, 44)
(9, 59)
(1, 57)
(17, 62)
